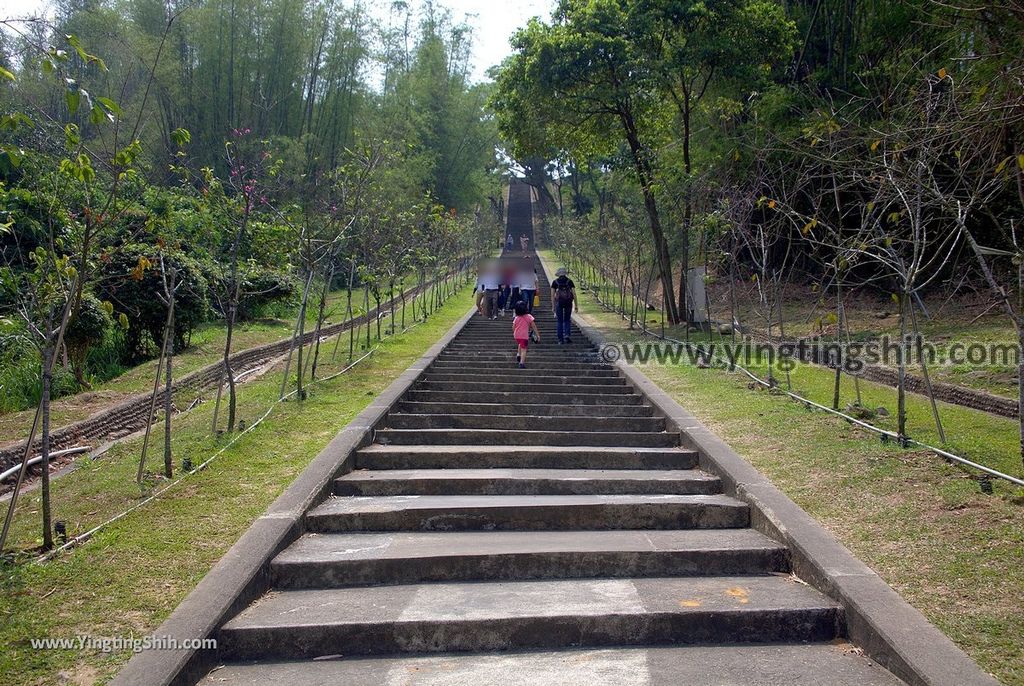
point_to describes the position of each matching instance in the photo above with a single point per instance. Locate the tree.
(584, 82)
(699, 47)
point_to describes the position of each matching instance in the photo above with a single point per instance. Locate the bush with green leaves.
(133, 283)
(88, 326)
(263, 290)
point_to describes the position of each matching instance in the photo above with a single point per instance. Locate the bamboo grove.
(168, 164)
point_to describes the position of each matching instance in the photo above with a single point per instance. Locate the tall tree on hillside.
(723, 47)
(583, 81)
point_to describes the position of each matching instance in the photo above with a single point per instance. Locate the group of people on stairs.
(496, 293)
(524, 243)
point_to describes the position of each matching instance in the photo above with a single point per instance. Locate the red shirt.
(521, 326)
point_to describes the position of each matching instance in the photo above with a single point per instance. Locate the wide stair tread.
(462, 616)
(527, 512)
(646, 439)
(519, 422)
(837, 664)
(526, 408)
(526, 482)
(378, 456)
(345, 559)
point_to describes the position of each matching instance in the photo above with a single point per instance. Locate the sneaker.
(517, 357)
(568, 341)
(522, 366)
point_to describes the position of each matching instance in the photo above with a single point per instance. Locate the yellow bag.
(536, 299)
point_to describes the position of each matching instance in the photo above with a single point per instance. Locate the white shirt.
(526, 280)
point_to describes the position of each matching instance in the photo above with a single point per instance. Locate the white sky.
(494, 22)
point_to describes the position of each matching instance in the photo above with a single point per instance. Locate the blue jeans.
(563, 312)
(527, 295)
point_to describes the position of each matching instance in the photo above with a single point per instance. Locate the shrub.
(87, 327)
(133, 283)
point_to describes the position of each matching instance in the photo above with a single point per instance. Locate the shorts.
(523, 342)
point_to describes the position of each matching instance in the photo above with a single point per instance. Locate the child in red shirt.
(521, 327)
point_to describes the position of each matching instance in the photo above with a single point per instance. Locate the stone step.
(527, 512)
(508, 346)
(524, 422)
(365, 482)
(485, 366)
(504, 339)
(506, 369)
(336, 560)
(632, 439)
(504, 356)
(480, 326)
(556, 352)
(504, 333)
(510, 374)
(524, 397)
(547, 410)
(503, 336)
(505, 615)
(524, 457)
(502, 330)
(806, 664)
(540, 314)
(529, 384)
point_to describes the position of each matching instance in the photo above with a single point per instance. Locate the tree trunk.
(684, 235)
(301, 332)
(839, 326)
(391, 300)
(44, 482)
(927, 377)
(168, 395)
(152, 400)
(229, 371)
(645, 175)
(366, 309)
(320, 322)
(901, 382)
(376, 309)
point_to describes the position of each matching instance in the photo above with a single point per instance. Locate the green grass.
(923, 525)
(130, 576)
(967, 319)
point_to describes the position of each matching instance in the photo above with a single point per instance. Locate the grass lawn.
(130, 576)
(954, 553)
(966, 318)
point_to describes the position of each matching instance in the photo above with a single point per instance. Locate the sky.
(494, 21)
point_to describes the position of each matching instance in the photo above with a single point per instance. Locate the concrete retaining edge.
(878, 620)
(242, 573)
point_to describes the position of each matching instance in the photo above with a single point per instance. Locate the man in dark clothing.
(563, 295)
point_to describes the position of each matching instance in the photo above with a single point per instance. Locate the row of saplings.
(121, 322)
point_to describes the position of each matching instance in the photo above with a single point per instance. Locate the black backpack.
(563, 291)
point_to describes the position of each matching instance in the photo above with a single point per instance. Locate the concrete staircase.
(534, 526)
